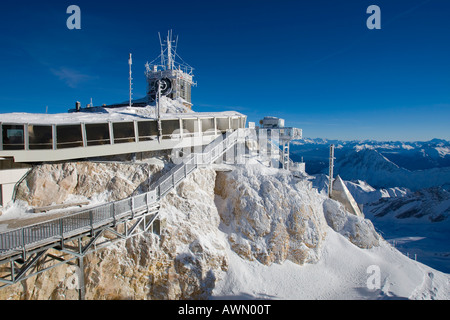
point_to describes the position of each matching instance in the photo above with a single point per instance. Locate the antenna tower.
(330, 184)
(171, 72)
(130, 63)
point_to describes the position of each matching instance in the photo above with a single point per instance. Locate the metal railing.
(178, 173)
(87, 220)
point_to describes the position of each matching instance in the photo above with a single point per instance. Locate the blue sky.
(314, 63)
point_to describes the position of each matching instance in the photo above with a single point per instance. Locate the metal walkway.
(34, 249)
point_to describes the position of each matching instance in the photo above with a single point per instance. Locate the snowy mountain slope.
(339, 270)
(413, 165)
(417, 223)
(409, 155)
(374, 168)
(342, 273)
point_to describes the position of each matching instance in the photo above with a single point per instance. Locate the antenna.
(175, 50)
(330, 184)
(170, 58)
(130, 63)
(162, 49)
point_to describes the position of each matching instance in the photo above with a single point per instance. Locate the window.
(208, 126)
(97, 134)
(13, 137)
(123, 132)
(40, 137)
(190, 126)
(170, 127)
(222, 124)
(148, 130)
(69, 136)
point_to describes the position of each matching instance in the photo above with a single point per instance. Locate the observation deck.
(28, 138)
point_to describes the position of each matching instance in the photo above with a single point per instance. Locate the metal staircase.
(34, 249)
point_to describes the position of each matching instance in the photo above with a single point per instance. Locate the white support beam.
(111, 132)
(83, 134)
(26, 137)
(54, 137)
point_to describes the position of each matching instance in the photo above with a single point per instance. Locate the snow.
(169, 109)
(342, 270)
(443, 151)
(341, 273)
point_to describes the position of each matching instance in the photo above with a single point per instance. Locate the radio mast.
(130, 63)
(330, 183)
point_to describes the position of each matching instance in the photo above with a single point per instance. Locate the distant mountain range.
(414, 165)
(403, 187)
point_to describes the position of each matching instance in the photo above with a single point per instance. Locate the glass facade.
(13, 137)
(41, 137)
(124, 132)
(69, 136)
(147, 130)
(97, 134)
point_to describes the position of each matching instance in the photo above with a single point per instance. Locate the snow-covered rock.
(71, 182)
(270, 216)
(185, 262)
(358, 230)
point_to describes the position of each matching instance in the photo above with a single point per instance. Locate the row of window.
(40, 137)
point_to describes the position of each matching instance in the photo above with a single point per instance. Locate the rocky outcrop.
(358, 230)
(184, 262)
(263, 214)
(269, 215)
(51, 184)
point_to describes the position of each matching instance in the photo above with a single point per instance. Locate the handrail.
(189, 163)
(91, 218)
(85, 220)
(16, 185)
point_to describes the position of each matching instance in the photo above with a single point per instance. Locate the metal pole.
(330, 184)
(158, 102)
(82, 288)
(130, 62)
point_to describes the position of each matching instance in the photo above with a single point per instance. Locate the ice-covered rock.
(50, 184)
(358, 230)
(269, 215)
(184, 262)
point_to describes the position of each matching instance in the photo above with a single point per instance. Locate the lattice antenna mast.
(130, 63)
(175, 49)
(170, 54)
(162, 50)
